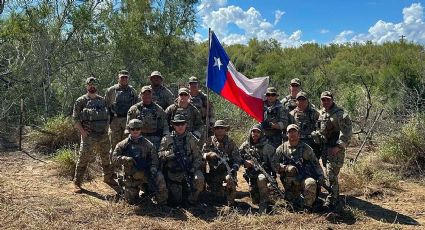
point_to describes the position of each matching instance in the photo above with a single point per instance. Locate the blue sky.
(296, 22)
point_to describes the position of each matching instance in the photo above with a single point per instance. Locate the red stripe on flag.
(251, 105)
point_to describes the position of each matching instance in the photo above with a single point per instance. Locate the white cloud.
(277, 15)
(324, 31)
(342, 37)
(250, 23)
(412, 27)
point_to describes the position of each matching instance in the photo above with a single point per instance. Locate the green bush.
(405, 147)
(66, 160)
(56, 133)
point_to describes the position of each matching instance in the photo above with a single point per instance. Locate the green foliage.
(405, 147)
(56, 133)
(66, 160)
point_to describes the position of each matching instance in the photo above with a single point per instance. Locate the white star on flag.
(217, 62)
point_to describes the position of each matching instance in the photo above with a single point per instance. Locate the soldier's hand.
(249, 164)
(282, 168)
(211, 156)
(127, 160)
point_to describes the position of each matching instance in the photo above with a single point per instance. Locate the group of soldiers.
(152, 143)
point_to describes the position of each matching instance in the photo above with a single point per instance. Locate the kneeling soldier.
(257, 149)
(139, 160)
(299, 170)
(223, 160)
(182, 161)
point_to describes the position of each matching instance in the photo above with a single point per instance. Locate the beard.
(92, 90)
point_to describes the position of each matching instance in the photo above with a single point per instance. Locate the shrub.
(406, 147)
(66, 160)
(56, 133)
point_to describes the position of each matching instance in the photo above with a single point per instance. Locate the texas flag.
(225, 80)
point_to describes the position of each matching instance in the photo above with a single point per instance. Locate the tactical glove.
(211, 156)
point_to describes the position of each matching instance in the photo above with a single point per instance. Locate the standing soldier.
(223, 160)
(335, 130)
(275, 118)
(258, 147)
(299, 170)
(305, 116)
(119, 98)
(290, 102)
(154, 121)
(200, 100)
(91, 118)
(182, 162)
(139, 160)
(161, 94)
(189, 111)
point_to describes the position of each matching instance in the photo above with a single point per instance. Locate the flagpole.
(207, 123)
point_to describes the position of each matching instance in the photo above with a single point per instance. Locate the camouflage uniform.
(298, 178)
(139, 161)
(263, 152)
(185, 144)
(162, 96)
(275, 113)
(192, 116)
(153, 117)
(306, 121)
(119, 100)
(335, 130)
(92, 113)
(218, 179)
(289, 102)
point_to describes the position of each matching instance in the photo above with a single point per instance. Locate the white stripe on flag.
(255, 87)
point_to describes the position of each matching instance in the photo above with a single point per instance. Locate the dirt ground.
(33, 196)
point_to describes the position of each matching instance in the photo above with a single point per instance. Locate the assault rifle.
(272, 181)
(184, 165)
(304, 170)
(223, 160)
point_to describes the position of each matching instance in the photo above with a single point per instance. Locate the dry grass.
(32, 196)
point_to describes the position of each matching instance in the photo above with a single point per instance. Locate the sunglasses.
(184, 94)
(301, 99)
(179, 123)
(271, 95)
(294, 85)
(135, 129)
(219, 127)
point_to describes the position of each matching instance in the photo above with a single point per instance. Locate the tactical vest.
(297, 154)
(124, 99)
(327, 127)
(94, 115)
(305, 121)
(180, 145)
(271, 114)
(135, 149)
(187, 113)
(290, 103)
(149, 116)
(200, 102)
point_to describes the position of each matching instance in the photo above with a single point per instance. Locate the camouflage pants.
(176, 189)
(116, 131)
(294, 189)
(133, 185)
(89, 147)
(333, 165)
(258, 189)
(221, 185)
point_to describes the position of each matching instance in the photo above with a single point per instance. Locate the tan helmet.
(135, 123)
